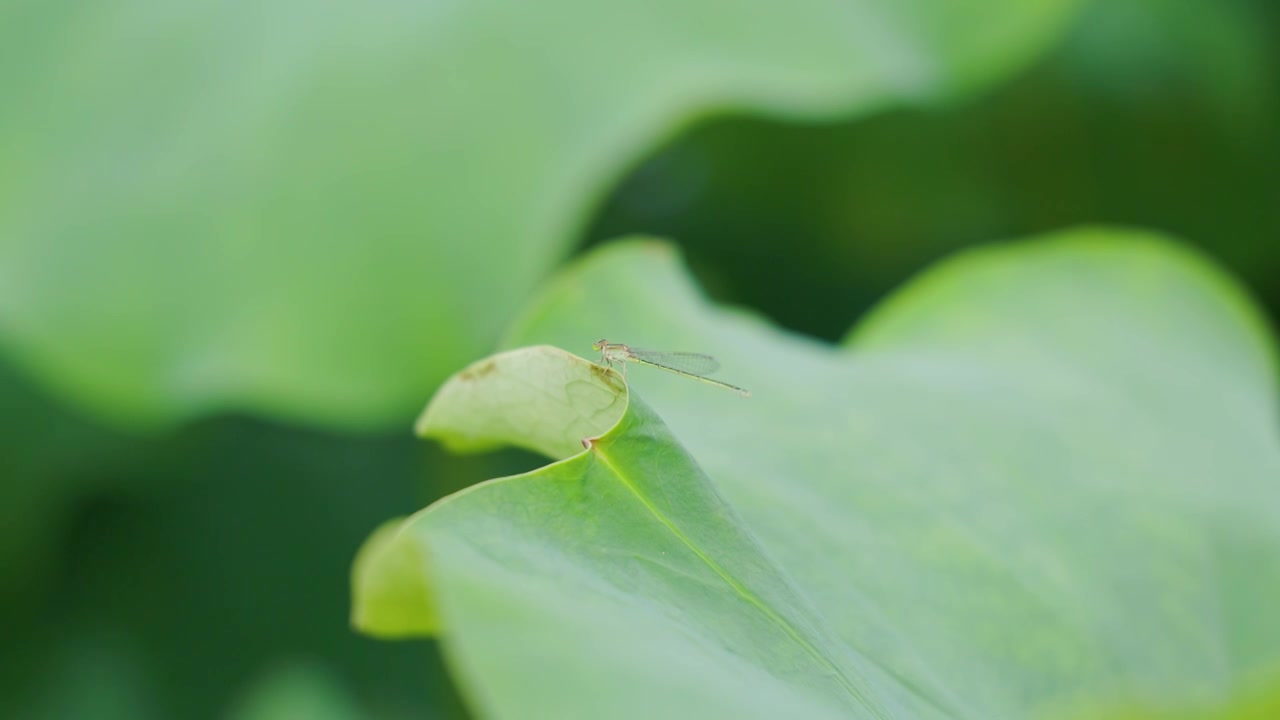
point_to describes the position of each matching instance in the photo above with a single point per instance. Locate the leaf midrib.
(743, 592)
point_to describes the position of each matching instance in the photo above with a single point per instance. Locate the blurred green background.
(1163, 115)
(200, 568)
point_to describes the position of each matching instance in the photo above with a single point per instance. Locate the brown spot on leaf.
(478, 371)
(610, 378)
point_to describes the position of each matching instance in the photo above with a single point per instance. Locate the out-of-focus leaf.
(1040, 477)
(1136, 49)
(1257, 698)
(94, 675)
(52, 459)
(394, 600)
(318, 210)
(296, 690)
(209, 555)
(1082, 137)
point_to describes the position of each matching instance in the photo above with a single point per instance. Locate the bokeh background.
(199, 568)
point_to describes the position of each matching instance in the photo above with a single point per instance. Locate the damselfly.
(691, 365)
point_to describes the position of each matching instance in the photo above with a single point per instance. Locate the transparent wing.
(685, 362)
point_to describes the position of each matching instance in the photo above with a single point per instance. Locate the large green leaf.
(1042, 479)
(320, 210)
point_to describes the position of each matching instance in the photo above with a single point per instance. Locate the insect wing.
(686, 362)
